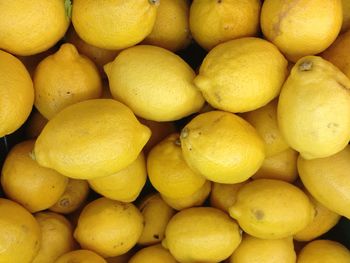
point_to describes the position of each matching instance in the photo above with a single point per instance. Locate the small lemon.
(316, 126)
(168, 171)
(346, 15)
(110, 228)
(264, 120)
(20, 234)
(213, 21)
(16, 93)
(154, 82)
(81, 256)
(63, 79)
(272, 209)
(171, 29)
(154, 254)
(26, 182)
(301, 28)
(56, 237)
(28, 27)
(73, 197)
(156, 214)
(91, 139)
(35, 124)
(125, 185)
(327, 180)
(282, 166)
(256, 250)
(201, 234)
(324, 251)
(114, 24)
(222, 147)
(196, 199)
(242, 74)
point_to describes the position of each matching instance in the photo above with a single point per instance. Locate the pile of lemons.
(131, 155)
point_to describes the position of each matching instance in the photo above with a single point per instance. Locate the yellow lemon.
(168, 171)
(346, 15)
(26, 29)
(195, 199)
(301, 28)
(264, 120)
(80, 256)
(324, 251)
(256, 250)
(19, 233)
(282, 166)
(323, 221)
(327, 180)
(154, 82)
(237, 76)
(26, 182)
(154, 254)
(35, 124)
(110, 228)
(201, 234)
(316, 126)
(171, 29)
(272, 209)
(156, 214)
(222, 147)
(16, 92)
(73, 197)
(56, 237)
(125, 185)
(114, 24)
(223, 196)
(91, 139)
(63, 79)
(213, 21)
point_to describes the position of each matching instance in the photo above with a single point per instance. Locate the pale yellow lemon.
(91, 139)
(242, 74)
(222, 147)
(314, 108)
(81, 256)
(154, 254)
(154, 82)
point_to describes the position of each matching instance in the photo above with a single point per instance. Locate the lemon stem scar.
(68, 8)
(154, 2)
(305, 65)
(184, 133)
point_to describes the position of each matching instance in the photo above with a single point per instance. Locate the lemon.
(171, 29)
(196, 199)
(223, 196)
(154, 82)
(168, 171)
(264, 120)
(26, 182)
(156, 214)
(110, 228)
(125, 185)
(255, 250)
(80, 256)
(114, 24)
(327, 180)
(201, 234)
(34, 125)
(73, 197)
(316, 126)
(301, 28)
(282, 166)
(155, 254)
(91, 139)
(213, 21)
(236, 76)
(56, 237)
(324, 251)
(20, 233)
(26, 30)
(272, 209)
(222, 147)
(63, 79)
(346, 15)
(16, 102)
(323, 221)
